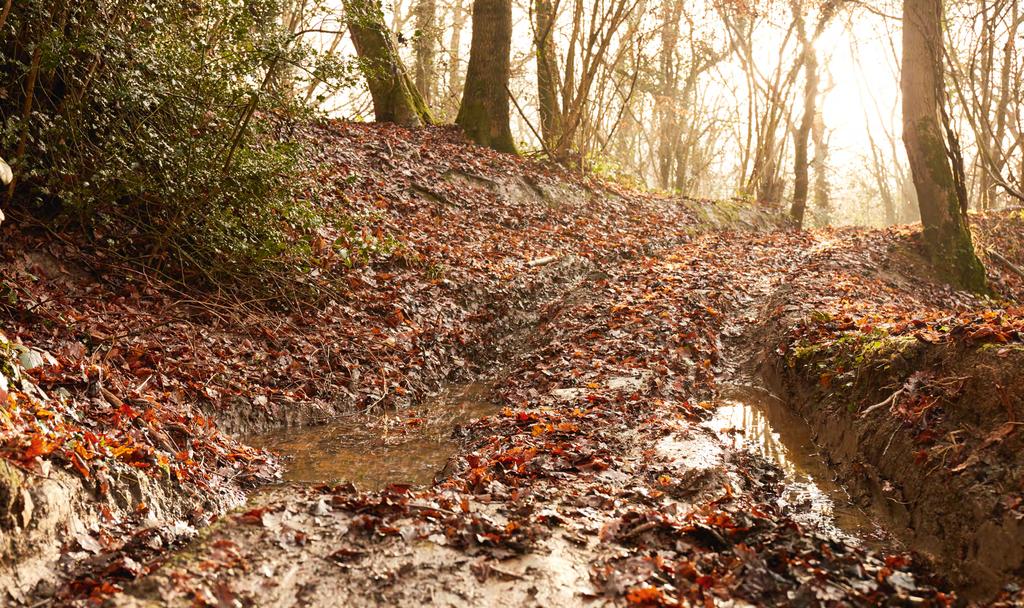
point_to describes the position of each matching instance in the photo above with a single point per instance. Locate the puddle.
(750, 419)
(373, 451)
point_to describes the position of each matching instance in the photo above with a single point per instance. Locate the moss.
(853, 352)
(476, 121)
(946, 234)
(997, 346)
(729, 210)
(11, 482)
(806, 353)
(883, 350)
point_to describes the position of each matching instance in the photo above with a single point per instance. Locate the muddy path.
(614, 466)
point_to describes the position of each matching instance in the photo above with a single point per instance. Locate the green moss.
(803, 354)
(946, 234)
(853, 352)
(1001, 347)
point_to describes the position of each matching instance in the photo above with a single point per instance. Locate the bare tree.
(770, 103)
(986, 80)
(802, 135)
(425, 45)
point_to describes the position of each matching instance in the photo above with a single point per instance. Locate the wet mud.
(406, 447)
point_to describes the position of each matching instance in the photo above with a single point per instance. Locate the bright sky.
(864, 80)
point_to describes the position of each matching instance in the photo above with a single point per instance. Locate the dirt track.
(598, 482)
(614, 339)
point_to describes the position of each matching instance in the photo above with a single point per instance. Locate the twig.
(6, 11)
(141, 330)
(529, 124)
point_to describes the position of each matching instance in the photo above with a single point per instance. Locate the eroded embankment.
(914, 395)
(453, 250)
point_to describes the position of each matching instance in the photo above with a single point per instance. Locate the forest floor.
(545, 390)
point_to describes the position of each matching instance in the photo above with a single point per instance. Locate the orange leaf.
(644, 595)
(79, 464)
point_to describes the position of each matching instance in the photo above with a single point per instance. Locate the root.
(890, 400)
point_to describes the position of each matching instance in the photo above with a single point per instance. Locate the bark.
(801, 164)
(425, 47)
(665, 104)
(822, 196)
(933, 167)
(547, 73)
(395, 97)
(484, 113)
(451, 102)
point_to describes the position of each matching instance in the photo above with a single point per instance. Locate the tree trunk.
(484, 113)
(547, 73)
(946, 235)
(395, 97)
(426, 49)
(801, 165)
(822, 197)
(1005, 99)
(454, 91)
(665, 103)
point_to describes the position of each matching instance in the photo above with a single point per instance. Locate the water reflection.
(372, 451)
(751, 419)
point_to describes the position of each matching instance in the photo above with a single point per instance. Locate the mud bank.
(606, 478)
(913, 393)
(949, 488)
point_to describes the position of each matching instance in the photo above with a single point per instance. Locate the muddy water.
(375, 450)
(751, 419)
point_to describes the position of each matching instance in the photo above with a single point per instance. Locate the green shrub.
(161, 126)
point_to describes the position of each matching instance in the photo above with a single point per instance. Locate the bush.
(161, 127)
